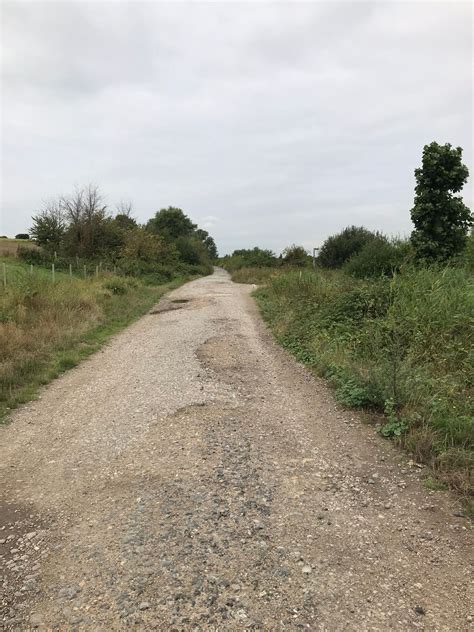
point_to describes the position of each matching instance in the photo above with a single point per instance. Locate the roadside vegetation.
(389, 323)
(81, 275)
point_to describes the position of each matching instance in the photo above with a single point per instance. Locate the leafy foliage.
(192, 250)
(441, 218)
(379, 257)
(49, 226)
(80, 227)
(171, 223)
(250, 257)
(339, 248)
(296, 256)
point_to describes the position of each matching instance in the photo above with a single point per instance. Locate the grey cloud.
(286, 121)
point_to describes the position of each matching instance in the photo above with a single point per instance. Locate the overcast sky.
(269, 123)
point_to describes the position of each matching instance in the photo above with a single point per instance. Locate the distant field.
(9, 247)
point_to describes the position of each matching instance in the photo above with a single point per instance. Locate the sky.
(268, 123)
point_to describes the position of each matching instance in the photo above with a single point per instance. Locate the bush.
(339, 248)
(192, 251)
(34, 256)
(296, 256)
(22, 236)
(248, 258)
(379, 257)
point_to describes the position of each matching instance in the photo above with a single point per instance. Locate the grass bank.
(47, 328)
(402, 347)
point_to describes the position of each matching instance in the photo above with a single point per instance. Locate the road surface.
(192, 475)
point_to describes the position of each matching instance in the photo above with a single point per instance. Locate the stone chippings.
(193, 476)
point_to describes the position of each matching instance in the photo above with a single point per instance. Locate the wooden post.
(85, 271)
(31, 268)
(4, 275)
(115, 269)
(70, 270)
(97, 271)
(53, 276)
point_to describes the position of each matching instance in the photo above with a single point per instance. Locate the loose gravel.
(192, 476)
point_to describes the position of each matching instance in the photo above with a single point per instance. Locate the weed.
(394, 426)
(434, 484)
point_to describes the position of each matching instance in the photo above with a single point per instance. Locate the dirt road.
(193, 476)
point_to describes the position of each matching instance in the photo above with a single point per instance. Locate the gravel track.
(191, 476)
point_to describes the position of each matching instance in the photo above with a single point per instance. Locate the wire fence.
(12, 274)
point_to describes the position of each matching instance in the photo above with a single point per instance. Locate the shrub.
(33, 256)
(339, 248)
(252, 257)
(378, 257)
(296, 256)
(22, 236)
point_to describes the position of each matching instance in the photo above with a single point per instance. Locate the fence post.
(70, 270)
(85, 271)
(97, 271)
(31, 269)
(53, 273)
(4, 275)
(115, 269)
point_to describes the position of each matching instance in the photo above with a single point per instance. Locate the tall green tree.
(171, 223)
(209, 243)
(441, 218)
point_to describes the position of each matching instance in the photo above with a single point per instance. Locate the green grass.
(258, 276)
(46, 329)
(401, 347)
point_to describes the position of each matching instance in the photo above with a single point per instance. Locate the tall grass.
(402, 346)
(46, 328)
(254, 274)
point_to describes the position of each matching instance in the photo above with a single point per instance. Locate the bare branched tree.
(124, 207)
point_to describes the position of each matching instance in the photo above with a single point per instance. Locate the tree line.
(81, 226)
